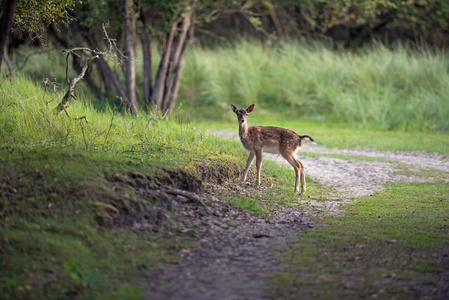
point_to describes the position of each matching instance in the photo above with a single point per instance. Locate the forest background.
(287, 54)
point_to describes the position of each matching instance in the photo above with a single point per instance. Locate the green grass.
(392, 245)
(55, 239)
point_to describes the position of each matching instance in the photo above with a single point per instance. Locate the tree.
(357, 22)
(177, 43)
(8, 9)
(130, 50)
(172, 22)
(30, 16)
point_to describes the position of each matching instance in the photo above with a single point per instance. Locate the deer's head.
(242, 114)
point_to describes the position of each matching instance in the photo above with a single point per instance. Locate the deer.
(275, 140)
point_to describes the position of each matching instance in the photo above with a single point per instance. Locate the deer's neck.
(243, 129)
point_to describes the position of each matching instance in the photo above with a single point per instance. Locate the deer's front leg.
(248, 164)
(258, 165)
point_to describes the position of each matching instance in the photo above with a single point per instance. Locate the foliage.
(424, 19)
(55, 183)
(54, 177)
(32, 16)
(384, 88)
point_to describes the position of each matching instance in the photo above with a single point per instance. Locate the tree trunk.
(8, 63)
(185, 24)
(130, 53)
(147, 66)
(177, 78)
(8, 9)
(169, 74)
(112, 76)
(159, 86)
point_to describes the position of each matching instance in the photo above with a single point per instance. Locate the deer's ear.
(234, 108)
(250, 108)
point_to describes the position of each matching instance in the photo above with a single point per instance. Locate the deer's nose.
(242, 120)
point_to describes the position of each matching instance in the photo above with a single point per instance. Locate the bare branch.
(113, 51)
(72, 84)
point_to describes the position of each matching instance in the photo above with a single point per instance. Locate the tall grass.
(396, 88)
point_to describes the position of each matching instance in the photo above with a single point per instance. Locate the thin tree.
(8, 9)
(130, 52)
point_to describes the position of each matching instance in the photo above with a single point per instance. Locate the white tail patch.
(308, 140)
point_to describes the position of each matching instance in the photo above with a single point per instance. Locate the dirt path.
(235, 256)
(237, 253)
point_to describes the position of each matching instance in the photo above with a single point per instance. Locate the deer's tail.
(307, 138)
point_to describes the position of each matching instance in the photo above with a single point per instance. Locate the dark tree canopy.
(31, 17)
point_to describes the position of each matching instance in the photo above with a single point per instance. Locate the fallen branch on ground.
(191, 196)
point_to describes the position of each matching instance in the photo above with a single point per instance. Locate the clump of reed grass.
(391, 88)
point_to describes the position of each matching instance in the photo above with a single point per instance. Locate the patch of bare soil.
(237, 251)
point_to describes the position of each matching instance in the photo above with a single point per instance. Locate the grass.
(385, 88)
(397, 88)
(343, 136)
(55, 243)
(66, 182)
(391, 245)
(68, 185)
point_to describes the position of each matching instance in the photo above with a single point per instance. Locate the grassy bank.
(82, 208)
(81, 215)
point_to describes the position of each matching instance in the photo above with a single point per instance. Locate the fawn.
(276, 140)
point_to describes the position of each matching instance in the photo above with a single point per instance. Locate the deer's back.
(270, 139)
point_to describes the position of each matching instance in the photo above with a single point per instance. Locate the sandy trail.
(356, 178)
(237, 253)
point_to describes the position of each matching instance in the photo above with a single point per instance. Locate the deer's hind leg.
(303, 177)
(290, 157)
